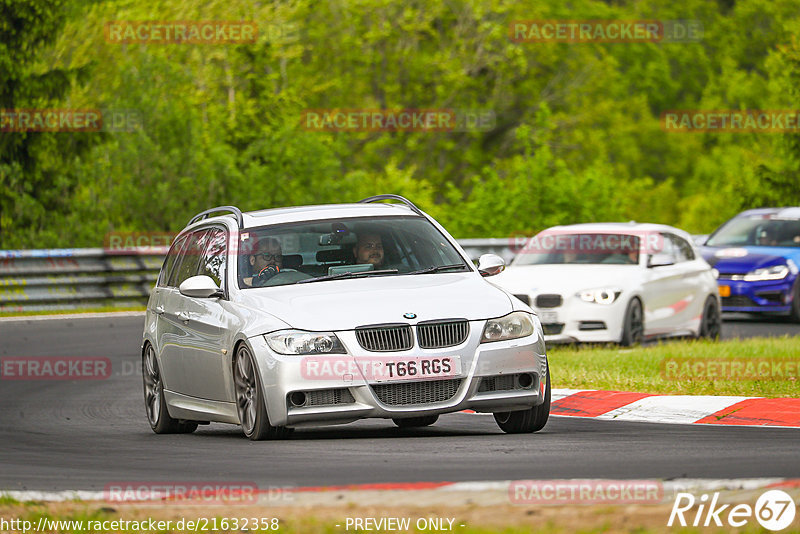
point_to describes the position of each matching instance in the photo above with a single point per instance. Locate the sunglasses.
(268, 257)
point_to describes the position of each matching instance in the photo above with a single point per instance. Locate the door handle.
(159, 310)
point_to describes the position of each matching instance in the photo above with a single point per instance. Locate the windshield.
(581, 248)
(343, 248)
(752, 232)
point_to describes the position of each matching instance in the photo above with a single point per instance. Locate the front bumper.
(582, 322)
(494, 377)
(756, 297)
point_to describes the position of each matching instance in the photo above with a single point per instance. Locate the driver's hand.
(266, 273)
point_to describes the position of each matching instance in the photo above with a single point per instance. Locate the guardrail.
(72, 279)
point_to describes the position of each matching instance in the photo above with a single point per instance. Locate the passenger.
(266, 261)
(369, 249)
(766, 238)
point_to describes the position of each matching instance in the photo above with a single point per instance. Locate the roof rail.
(404, 200)
(233, 209)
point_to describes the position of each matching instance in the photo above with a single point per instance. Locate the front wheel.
(526, 421)
(154, 403)
(710, 323)
(795, 313)
(250, 404)
(633, 325)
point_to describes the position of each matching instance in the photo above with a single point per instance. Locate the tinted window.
(169, 262)
(315, 249)
(213, 260)
(757, 232)
(683, 250)
(190, 258)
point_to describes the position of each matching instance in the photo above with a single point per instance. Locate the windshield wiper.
(347, 274)
(437, 268)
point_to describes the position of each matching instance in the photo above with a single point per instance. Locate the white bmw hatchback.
(615, 282)
(316, 315)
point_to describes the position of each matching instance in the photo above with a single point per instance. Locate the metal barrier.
(72, 279)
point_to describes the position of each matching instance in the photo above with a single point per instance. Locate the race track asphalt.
(88, 434)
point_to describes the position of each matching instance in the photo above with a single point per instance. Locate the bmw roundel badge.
(410, 315)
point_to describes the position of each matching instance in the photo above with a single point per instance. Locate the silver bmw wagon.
(319, 315)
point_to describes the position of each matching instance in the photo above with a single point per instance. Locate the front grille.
(738, 301)
(524, 298)
(552, 329)
(548, 301)
(329, 397)
(412, 393)
(442, 334)
(387, 338)
(501, 383)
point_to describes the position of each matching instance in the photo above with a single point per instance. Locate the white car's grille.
(442, 334)
(412, 393)
(387, 338)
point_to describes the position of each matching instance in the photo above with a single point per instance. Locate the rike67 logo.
(774, 510)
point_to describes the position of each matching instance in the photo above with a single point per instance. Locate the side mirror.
(201, 287)
(660, 260)
(490, 264)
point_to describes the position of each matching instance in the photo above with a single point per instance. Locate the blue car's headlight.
(300, 342)
(776, 272)
(512, 326)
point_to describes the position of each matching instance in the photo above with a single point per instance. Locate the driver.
(369, 249)
(266, 261)
(766, 238)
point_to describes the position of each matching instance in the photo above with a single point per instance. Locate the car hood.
(346, 304)
(564, 279)
(741, 260)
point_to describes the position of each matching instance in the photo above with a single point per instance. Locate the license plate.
(420, 368)
(548, 317)
(724, 291)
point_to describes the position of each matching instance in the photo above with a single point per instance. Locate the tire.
(416, 422)
(711, 322)
(794, 315)
(526, 421)
(633, 326)
(154, 404)
(250, 403)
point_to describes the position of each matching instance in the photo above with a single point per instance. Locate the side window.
(169, 262)
(190, 258)
(684, 250)
(214, 259)
(668, 247)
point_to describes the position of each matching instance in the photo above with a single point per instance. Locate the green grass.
(641, 369)
(99, 309)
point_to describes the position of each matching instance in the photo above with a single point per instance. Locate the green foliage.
(577, 136)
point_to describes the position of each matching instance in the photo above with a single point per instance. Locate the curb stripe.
(759, 412)
(593, 403)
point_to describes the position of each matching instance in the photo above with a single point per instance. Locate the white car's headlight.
(776, 272)
(300, 342)
(603, 295)
(512, 326)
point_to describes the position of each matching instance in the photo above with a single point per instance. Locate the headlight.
(512, 326)
(603, 295)
(300, 342)
(776, 272)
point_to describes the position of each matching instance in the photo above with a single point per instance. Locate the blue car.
(756, 257)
